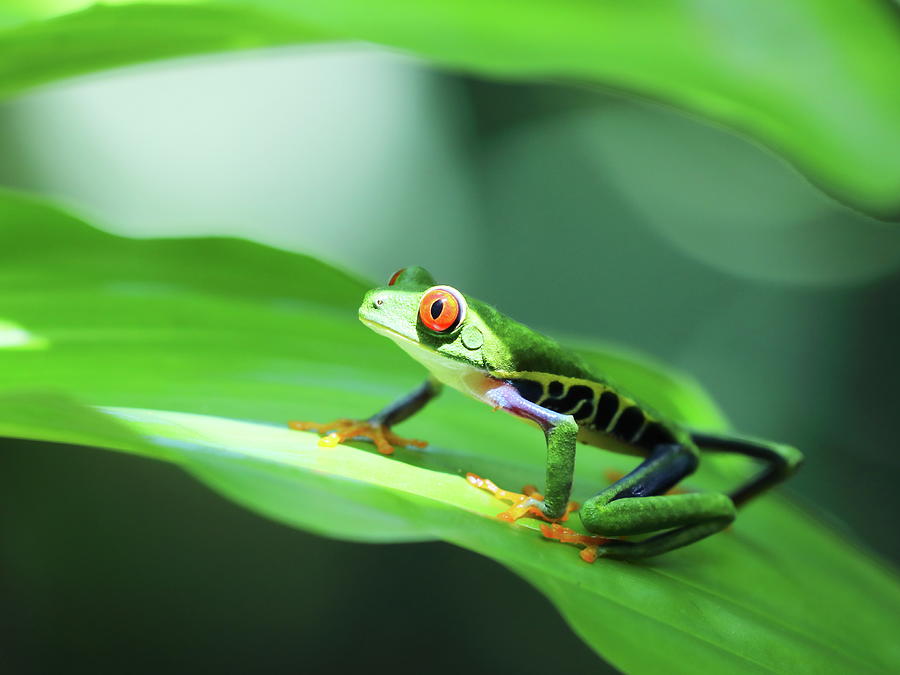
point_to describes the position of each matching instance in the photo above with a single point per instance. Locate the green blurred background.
(577, 211)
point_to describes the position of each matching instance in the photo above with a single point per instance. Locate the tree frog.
(469, 345)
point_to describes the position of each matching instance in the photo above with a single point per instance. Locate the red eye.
(396, 276)
(442, 309)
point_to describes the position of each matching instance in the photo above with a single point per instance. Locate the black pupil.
(436, 308)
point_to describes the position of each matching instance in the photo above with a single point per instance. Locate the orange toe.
(342, 430)
(523, 504)
(564, 535)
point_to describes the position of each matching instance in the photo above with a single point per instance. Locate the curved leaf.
(103, 36)
(152, 327)
(815, 81)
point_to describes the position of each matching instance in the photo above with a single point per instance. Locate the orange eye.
(395, 276)
(442, 309)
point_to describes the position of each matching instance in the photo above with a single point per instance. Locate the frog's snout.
(371, 305)
(372, 301)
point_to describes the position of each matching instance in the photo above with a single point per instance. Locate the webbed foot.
(342, 430)
(565, 535)
(526, 503)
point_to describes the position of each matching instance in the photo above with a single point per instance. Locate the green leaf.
(178, 344)
(812, 80)
(815, 81)
(102, 37)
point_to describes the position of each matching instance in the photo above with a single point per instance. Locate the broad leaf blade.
(154, 326)
(738, 603)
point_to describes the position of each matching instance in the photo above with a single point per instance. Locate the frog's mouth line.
(381, 329)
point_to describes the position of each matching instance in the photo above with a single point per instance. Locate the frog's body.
(607, 418)
(472, 347)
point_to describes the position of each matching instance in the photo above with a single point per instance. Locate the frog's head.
(432, 323)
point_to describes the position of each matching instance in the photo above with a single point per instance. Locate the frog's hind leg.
(781, 461)
(637, 504)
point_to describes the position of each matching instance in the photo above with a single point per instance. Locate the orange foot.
(342, 430)
(564, 535)
(524, 504)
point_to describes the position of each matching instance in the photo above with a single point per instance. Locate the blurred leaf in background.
(815, 82)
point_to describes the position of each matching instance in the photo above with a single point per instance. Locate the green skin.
(478, 356)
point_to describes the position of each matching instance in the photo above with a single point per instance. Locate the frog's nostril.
(378, 302)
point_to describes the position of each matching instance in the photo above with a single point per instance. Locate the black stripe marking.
(529, 389)
(577, 394)
(607, 406)
(555, 389)
(629, 423)
(584, 410)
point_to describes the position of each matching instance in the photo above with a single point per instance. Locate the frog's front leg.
(561, 432)
(636, 504)
(377, 428)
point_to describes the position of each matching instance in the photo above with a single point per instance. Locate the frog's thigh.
(634, 505)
